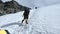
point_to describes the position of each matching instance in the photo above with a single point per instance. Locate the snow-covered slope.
(41, 3)
(44, 20)
(9, 18)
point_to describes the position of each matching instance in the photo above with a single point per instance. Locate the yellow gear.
(3, 32)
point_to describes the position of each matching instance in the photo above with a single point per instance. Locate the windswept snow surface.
(44, 20)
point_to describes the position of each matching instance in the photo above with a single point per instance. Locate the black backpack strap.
(7, 31)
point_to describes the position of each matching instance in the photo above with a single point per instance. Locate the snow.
(7, 18)
(47, 19)
(44, 20)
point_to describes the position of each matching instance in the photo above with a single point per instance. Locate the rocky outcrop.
(1, 8)
(11, 7)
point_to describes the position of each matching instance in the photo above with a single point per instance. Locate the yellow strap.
(3, 32)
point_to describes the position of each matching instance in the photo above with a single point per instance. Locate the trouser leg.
(23, 20)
